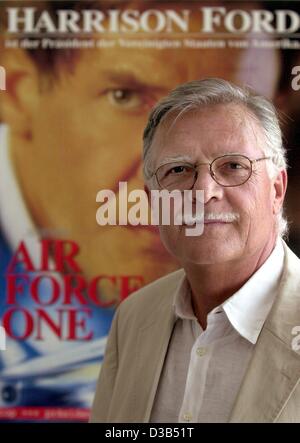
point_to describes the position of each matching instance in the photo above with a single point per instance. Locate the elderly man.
(212, 342)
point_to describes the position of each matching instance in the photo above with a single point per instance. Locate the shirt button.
(201, 351)
(187, 416)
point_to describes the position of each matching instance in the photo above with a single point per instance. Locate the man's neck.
(213, 284)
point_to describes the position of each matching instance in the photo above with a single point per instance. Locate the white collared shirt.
(204, 369)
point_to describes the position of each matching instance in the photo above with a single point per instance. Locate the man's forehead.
(221, 117)
(220, 129)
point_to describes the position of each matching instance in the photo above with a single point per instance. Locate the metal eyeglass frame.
(211, 171)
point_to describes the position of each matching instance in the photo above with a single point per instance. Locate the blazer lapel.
(272, 375)
(152, 345)
(274, 369)
(143, 346)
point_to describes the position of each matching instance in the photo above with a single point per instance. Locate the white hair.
(197, 94)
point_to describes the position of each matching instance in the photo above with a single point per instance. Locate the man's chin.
(206, 252)
(205, 260)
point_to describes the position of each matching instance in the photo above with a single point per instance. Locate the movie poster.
(77, 81)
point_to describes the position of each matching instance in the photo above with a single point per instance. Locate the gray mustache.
(225, 217)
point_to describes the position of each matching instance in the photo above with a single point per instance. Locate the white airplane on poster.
(35, 378)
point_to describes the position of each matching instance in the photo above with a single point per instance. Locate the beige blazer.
(138, 341)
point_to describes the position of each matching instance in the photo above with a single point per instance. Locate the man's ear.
(280, 185)
(19, 100)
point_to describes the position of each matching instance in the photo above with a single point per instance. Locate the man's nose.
(205, 182)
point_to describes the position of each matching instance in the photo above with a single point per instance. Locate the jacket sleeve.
(106, 380)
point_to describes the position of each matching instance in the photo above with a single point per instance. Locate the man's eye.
(177, 170)
(126, 98)
(232, 165)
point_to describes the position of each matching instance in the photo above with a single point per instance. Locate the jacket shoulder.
(285, 312)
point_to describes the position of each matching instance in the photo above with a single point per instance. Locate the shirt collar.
(249, 307)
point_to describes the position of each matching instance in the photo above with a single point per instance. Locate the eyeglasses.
(227, 170)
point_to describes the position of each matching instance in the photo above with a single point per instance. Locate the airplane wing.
(46, 366)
